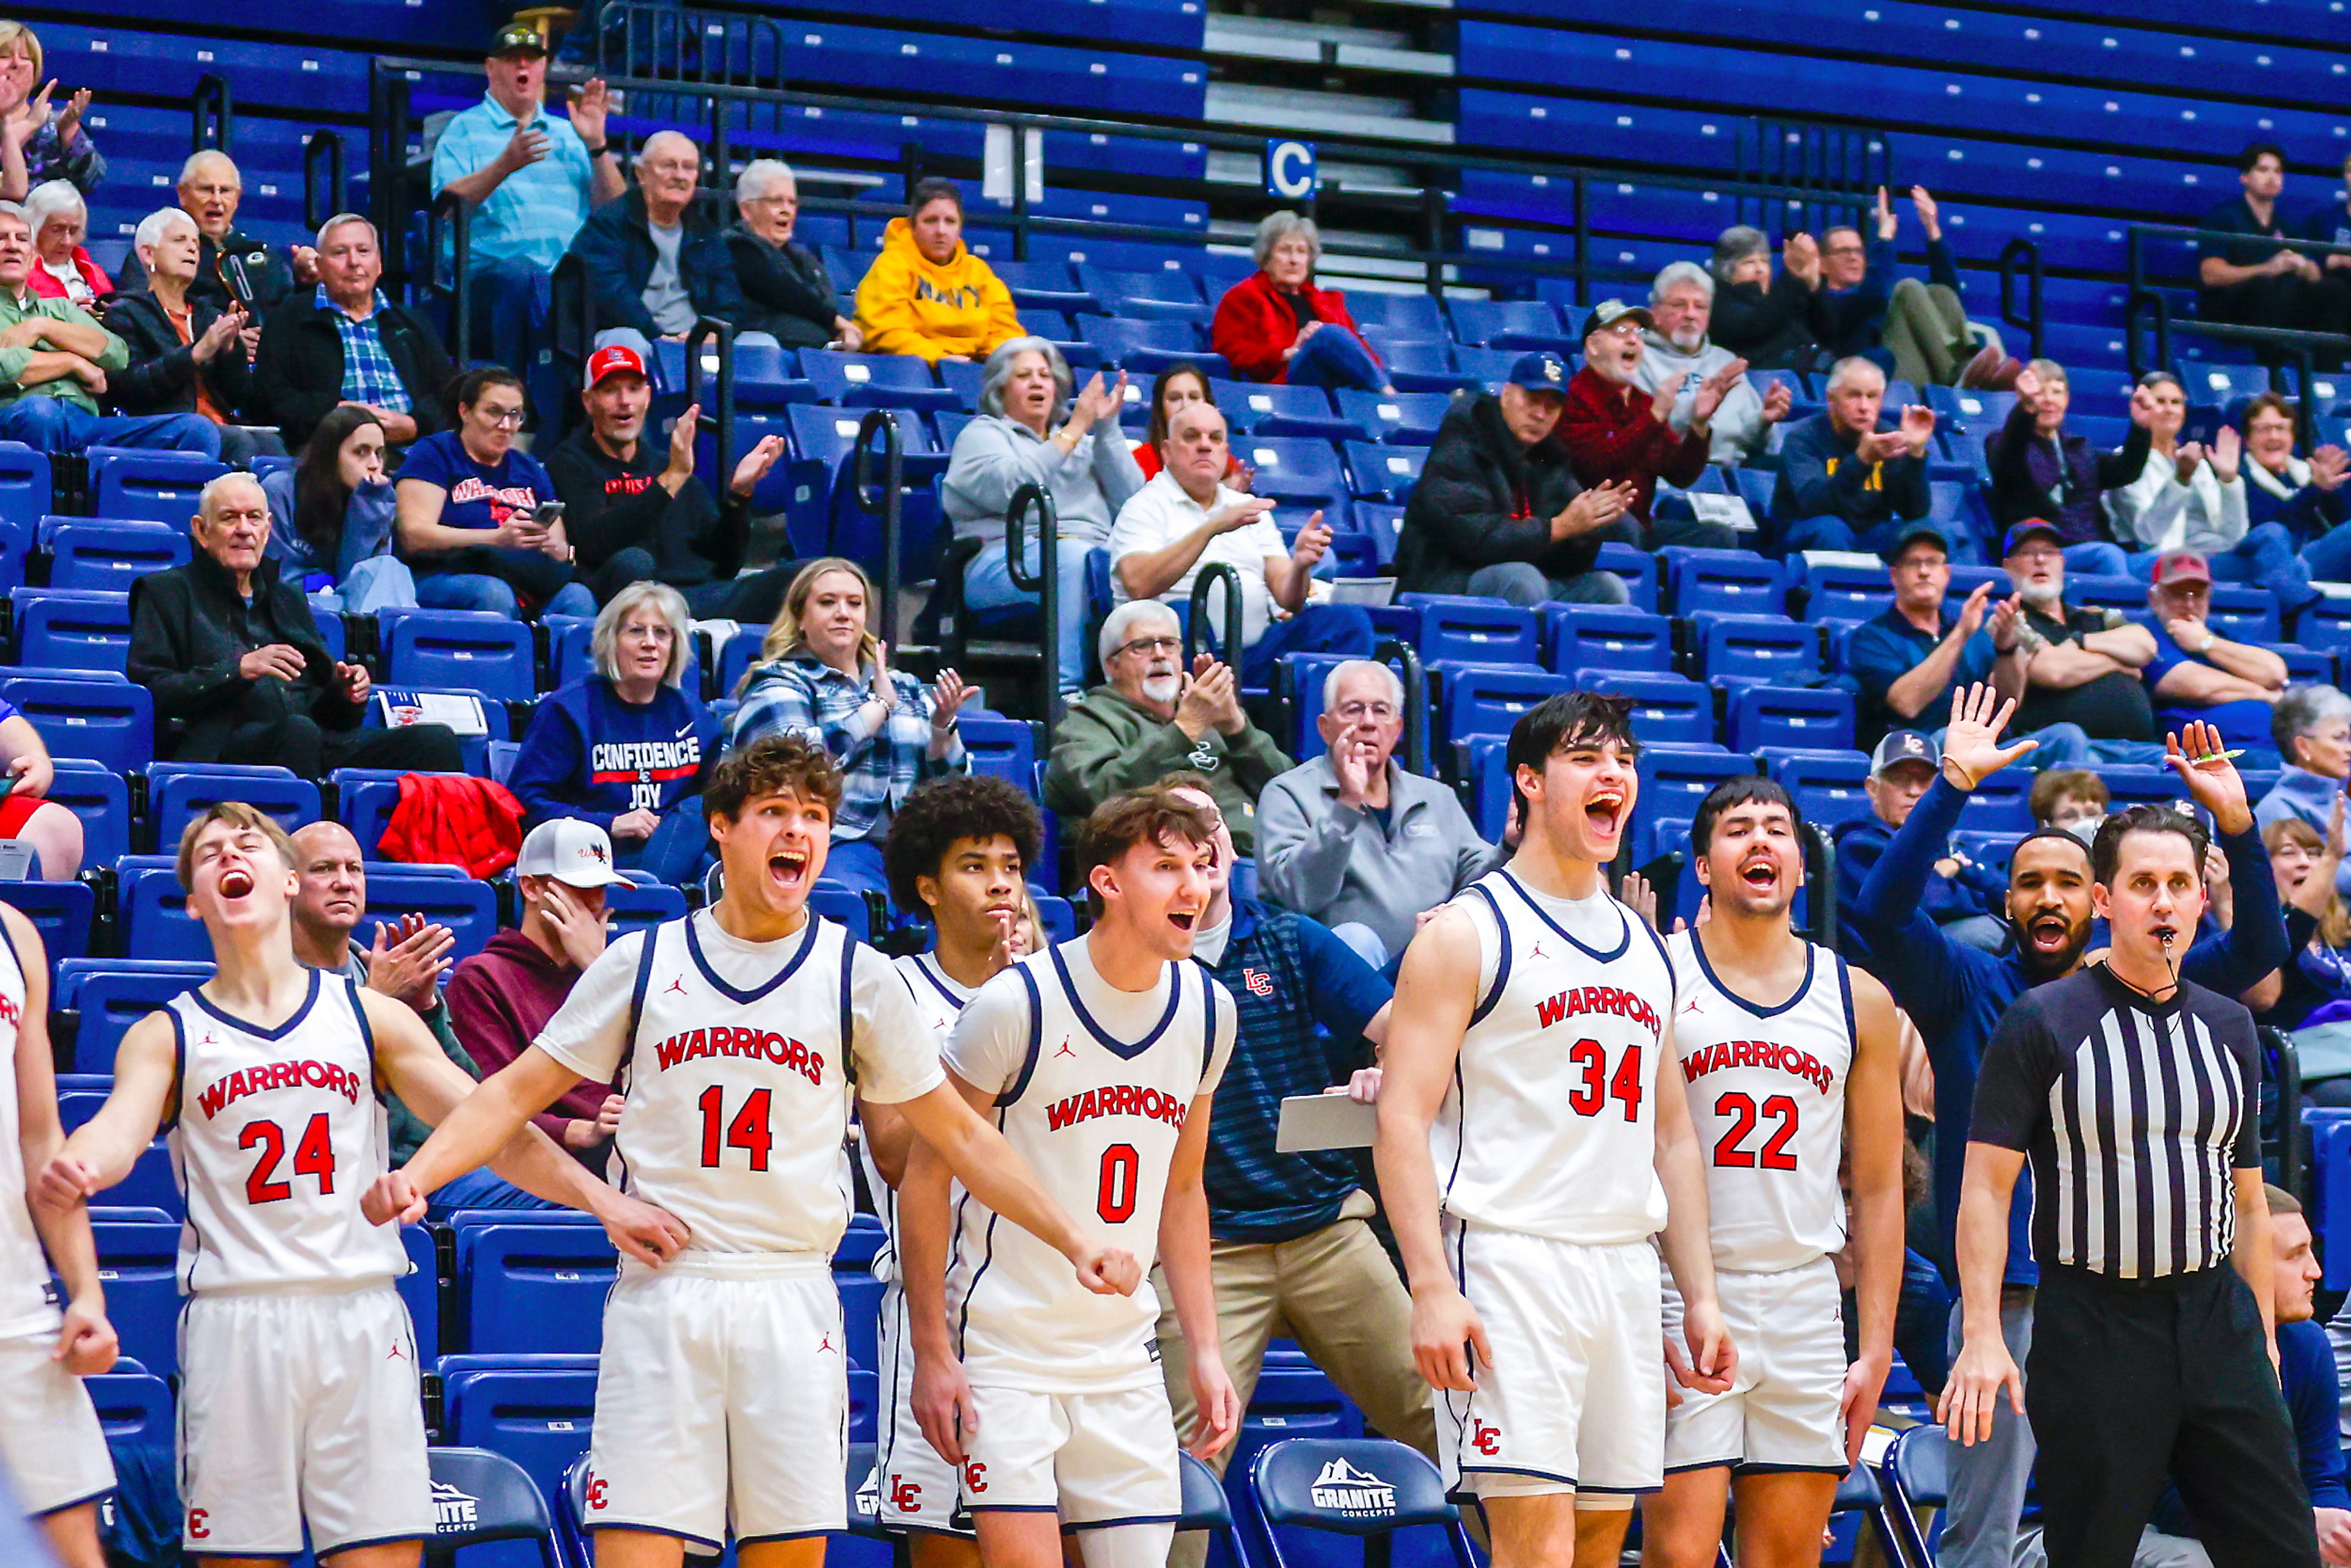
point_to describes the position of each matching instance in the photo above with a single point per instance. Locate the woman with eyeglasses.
(466, 509)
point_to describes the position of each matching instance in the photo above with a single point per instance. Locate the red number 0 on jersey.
(313, 1156)
(1588, 1098)
(1121, 1166)
(1774, 1154)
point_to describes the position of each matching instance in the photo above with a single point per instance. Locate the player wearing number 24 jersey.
(1791, 1061)
(739, 1035)
(1531, 1139)
(299, 1400)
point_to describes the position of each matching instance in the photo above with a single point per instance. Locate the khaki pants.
(1335, 1292)
(1927, 331)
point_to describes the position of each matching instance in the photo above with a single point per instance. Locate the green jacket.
(1105, 744)
(13, 310)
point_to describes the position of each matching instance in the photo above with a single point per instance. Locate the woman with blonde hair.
(822, 674)
(39, 141)
(623, 745)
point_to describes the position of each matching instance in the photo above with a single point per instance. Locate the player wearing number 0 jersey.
(1528, 1146)
(740, 1034)
(299, 1404)
(1098, 1059)
(958, 847)
(1787, 1057)
(50, 1444)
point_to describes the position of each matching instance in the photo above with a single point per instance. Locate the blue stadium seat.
(1141, 293)
(536, 1410)
(1514, 324)
(100, 796)
(1797, 716)
(1294, 470)
(158, 487)
(845, 905)
(1827, 785)
(1415, 366)
(1736, 582)
(1386, 474)
(1667, 709)
(468, 908)
(1636, 569)
(1486, 366)
(1970, 408)
(1464, 629)
(1044, 286)
(2244, 613)
(364, 799)
(1361, 1487)
(874, 380)
(1003, 746)
(1620, 637)
(1265, 409)
(1675, 777)
(138, 1260)
(1400, 418)
(25, 489)
(1738, 649)
(2140, 785)
(98, 554)
(1416, 316)
(1146, 348)
(529, 1287)
(2306, 664)
(179, 791)
(60, 911)
(110, 722)
(71, 630)
(1850, 591)
(1913, 1475)
(636, 907)
(132, 1406)
(1998, 805)
(153, 912)
(1486, 699)
(474, 748)
(462, 649)
(420, 1291)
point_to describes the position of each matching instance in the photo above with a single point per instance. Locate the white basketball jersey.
(1766, 1090)
(25, 1304)
(1551, 1124)
(278, 1136)
(1097, 1118)
(938, 998)
(738, 1098)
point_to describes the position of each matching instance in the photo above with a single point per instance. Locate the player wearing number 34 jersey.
(1790, 1059)
(1532, 1137)
(740, 1034)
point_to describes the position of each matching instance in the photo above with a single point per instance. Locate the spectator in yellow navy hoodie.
(926, 294)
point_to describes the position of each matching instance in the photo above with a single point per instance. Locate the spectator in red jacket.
(1615, 432)
(1276, 326)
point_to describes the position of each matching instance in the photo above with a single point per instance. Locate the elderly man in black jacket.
(230, 649)
(1497, 511)
(651, 263)
(231, 267)
(302, 368)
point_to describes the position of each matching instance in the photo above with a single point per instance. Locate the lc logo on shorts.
(905, 1496)
(974, 1476)
(1486, 1439)
(599, 1490)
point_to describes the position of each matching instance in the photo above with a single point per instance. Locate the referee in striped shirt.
(2136, 1098)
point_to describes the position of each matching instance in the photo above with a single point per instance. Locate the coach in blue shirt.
(1957, 996)
(1292, 1252)
(530, 178)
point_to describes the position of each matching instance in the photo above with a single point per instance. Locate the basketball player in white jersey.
(740, 1034)
(1528, 1149)
(960, 848)
(1099, 1058)
(299, 1400)
(1790, 1058)
(50, 1443)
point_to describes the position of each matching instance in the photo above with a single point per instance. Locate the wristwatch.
(2205, 646)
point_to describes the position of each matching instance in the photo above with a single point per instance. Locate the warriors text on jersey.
(1550, 1123)
(737, 1060)
(1766, 1088)
(1092, 1086)
(280, 1133)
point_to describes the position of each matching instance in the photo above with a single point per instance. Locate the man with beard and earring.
(2081, 665)
(1958, 995)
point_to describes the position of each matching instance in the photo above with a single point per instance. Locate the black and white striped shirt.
(2133, 1113)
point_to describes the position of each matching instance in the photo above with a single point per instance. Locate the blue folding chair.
(101, 799)
(1462, 628)
(106, 555)
(1487, 699)
(538, 1410)
(179, 791)
(158, 487)
(1667, 709)
(138, 1260)
(1738, 649)
(1361, 1486)
(476, 650)
(1618, 636)
(533, 1287)
(480, 1498)
(106, 996)
(66, 629)
(132, 1406)
(108, 722)
(1914, 1474)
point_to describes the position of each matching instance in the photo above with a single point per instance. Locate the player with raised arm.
(1789, 1057)
(739, 1035)
(1099, 1058)
(1528, 1150)
(50, 1443)
(299, 1400)
(960, 848)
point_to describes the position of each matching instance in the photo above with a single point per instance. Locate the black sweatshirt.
(609, 506)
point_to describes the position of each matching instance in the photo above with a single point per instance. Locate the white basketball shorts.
(1781, 1411)
(50, 1443)
(916, 1487)
(722, 1398)
(301, 1406)
(1575, 1400)
(1097, 1460)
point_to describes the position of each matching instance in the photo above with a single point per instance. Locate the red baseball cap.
(612, 359)
(2182, 565)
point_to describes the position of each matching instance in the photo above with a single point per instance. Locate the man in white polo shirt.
(1186, 518)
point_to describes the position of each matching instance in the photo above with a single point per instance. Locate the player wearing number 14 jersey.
(299, 1400)
(739, 1035)
(1790, 1059)
(1528, 1147)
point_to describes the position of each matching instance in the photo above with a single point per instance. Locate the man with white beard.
(1682, 300)
(2082, 666)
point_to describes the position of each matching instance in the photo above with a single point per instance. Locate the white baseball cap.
(573, 852)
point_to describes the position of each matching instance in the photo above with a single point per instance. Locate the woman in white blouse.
(2189, 497)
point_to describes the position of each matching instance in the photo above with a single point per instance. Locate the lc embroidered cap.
(1541, 371)
(573, 852)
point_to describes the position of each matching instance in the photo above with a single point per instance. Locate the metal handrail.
(707, 328)
(1390, 651)
(1819, 883)
(1045, 583)
(1230, 646)
(315, 210)
(887, 504)
(212, 92)
(451, 215)
(2024, 251)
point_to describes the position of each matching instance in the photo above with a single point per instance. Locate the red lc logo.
(1487, 1440)
(905, 1496)
(974, 1476)
(199, 1524)
(597, 1487)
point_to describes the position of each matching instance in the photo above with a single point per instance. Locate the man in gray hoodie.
(1682, 300)
(1353, 840)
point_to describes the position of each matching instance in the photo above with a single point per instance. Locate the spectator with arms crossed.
(2081, 666)
(2196, 674)
(2258, 279)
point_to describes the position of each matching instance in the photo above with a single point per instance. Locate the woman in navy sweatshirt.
(624, 747)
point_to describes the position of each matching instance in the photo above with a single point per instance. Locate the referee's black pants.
(2131, 1380)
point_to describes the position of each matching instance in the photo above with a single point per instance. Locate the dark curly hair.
(770, 766)
(969, 805)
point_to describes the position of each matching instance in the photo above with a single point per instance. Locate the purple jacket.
(2059, 482)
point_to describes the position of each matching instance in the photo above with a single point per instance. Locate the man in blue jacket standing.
(1957, 996)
